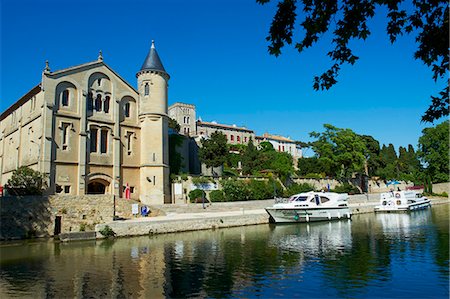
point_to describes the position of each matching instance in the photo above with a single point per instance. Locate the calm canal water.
(372, 256)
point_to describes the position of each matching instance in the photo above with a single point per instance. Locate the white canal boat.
(402, 201)
(311, 206)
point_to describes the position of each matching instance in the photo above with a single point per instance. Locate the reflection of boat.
(311, 206)
(313, 238)
(402, 201)
(404, 223)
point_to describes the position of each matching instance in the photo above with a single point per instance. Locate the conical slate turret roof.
(152, 61)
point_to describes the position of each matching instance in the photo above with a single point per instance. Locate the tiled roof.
(209, 124)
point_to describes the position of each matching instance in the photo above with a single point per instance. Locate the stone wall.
(441, 188)
(39, 216)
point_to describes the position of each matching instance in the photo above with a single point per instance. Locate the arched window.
(98, 103)
(146, 89)
(187, 120)
(65, 98)
(238, 138)
(126, 109)
(106, 105)
(90, 104)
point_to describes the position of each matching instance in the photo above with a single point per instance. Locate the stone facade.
(36, 216)
(235, 134)
(184, 114)
(91, 132)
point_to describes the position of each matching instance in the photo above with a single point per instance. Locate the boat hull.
(293, 215)
(403, 208)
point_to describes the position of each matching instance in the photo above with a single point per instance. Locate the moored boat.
(402, 201)
(311, 206)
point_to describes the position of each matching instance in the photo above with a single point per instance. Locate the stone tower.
(153, 118)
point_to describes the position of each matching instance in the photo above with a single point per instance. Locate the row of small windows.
(186, 120)
(98, 139)
(238, 138)
(98, 104)
(99, 144)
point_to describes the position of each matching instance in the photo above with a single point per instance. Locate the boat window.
(302, 198)
(324, 199)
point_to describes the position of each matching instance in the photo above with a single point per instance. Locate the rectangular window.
(33, 103)
(129, 136)
(245, 139)
(238, 138)
(232, 137)
(65, 98)
(93, 138)
(126, 109)
(104, 141)
(67, 189)
(65, 137)
(106, 104)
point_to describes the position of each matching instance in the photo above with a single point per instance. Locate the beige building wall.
(91, 132)
(185, 116)
(235, 134)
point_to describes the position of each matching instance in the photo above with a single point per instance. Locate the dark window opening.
(93, 139)
(104, 141)
(126, 109)
(90, 102)
(146, 89)
(65, 98)
(106, 105)
(98, 103)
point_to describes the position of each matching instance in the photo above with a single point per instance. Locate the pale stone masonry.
(184, 114)
(91, 132)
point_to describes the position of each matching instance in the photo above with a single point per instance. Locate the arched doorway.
(98, 187)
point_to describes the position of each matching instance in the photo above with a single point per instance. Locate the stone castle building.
(185, 116)
(92, 132)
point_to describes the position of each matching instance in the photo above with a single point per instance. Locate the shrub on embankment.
(240, 190)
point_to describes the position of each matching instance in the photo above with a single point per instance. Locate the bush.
(260, 190)
(216, 195)
(107, 232)
(235, 190)
(26, 181)
(196, 194)
(346, 188)
(200, 180)
(298, 188)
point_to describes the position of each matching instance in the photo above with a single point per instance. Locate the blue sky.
(216, 54)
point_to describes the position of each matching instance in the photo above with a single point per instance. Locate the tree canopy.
(26, 181)
(214, 150)
(348, 21)
(433, 150)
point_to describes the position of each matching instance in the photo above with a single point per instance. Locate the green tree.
(214, 150)
(250, 159)
(433, 150)
(26, 181)
(173, 124)
(340, 150)
(348, 21)
(175, 158)
(372, 154)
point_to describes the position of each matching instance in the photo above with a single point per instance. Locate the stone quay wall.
(139, 228)
(42, 216)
